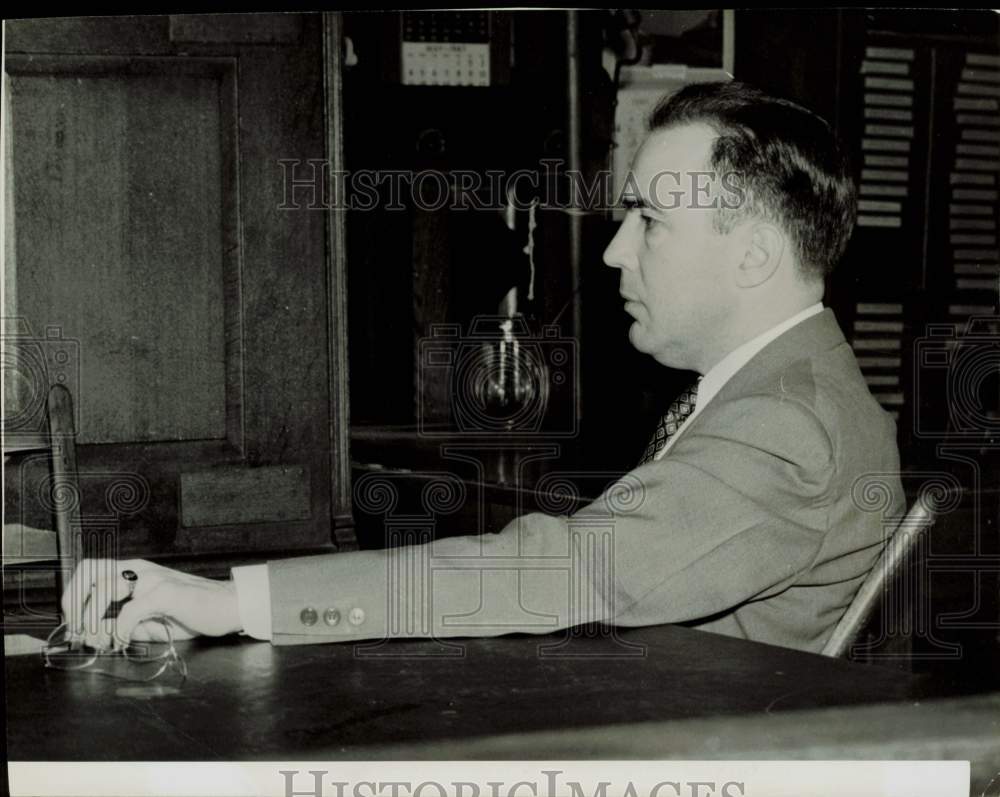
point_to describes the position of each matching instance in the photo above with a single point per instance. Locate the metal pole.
(336, 275)
(574, 153)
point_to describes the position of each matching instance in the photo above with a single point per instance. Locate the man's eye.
(648, 221)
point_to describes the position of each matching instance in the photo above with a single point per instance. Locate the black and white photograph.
(501, 403)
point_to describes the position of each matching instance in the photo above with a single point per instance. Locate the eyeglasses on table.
(138, 662)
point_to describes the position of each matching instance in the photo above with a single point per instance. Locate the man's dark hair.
(789, 163)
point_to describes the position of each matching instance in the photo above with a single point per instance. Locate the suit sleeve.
(736, 511)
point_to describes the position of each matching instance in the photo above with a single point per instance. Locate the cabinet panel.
(151, 236)
(124, 235)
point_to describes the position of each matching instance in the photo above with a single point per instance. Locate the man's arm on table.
(737, 510)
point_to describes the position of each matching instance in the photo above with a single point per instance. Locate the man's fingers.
(65, 600)
(94, 586)
(191, 605)
(103, 592)
(129, 625)
(75, 594)
(84, 596)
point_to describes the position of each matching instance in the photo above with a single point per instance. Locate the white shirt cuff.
(253, 594)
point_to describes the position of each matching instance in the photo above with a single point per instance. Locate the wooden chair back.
(917, 522)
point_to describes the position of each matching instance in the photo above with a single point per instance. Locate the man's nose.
(620, 252)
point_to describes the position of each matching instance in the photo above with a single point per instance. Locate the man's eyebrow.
(645, 205)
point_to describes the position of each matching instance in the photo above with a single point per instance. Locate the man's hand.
(194, 605)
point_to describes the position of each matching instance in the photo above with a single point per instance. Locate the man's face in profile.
(676, 270)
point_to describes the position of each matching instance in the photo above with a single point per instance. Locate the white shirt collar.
(726, 368)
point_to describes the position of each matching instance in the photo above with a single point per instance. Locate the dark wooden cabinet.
(161, 271)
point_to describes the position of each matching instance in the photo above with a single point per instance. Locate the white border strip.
(494, 779)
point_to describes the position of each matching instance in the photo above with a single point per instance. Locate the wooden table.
(250, 700)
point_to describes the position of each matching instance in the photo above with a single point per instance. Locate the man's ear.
(765, 247)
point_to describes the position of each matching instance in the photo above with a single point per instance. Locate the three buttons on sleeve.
(309, 616)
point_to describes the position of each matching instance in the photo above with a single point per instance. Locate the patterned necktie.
(675, 416)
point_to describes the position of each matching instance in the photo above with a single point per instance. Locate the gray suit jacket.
(757, 523)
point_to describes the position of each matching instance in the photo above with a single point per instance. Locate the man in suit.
(743, 518)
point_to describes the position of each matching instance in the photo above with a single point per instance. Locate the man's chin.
(664, 355)
(638, 339)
